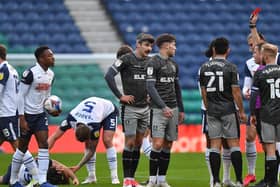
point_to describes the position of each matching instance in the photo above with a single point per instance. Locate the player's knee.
(43, 145)
(108, 142)
(250, 137)
(157, 145)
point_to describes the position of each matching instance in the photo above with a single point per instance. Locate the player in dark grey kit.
(135, 111)
(167, 107)
(266, 84)
(221, 93)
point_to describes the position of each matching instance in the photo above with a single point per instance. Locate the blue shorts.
(36, 122)
(9, 128)
(111, 121)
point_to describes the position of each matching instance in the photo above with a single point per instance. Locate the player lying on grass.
(57, 174)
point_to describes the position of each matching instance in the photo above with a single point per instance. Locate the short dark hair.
(145, 37)
(39, 51)
(221, 45)
(124, 49)
(209, 52)
(55, 177)
(3, 52)
(165, 37)
(82, 132)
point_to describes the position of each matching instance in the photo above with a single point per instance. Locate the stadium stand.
(195, 23)
(26, 24)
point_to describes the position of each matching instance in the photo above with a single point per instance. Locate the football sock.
(207, 152)
(16, 164)
(30, 164)
(146, 146)
(226, 164)
(163, 164)
(90, 165)
(271, 169)
(251, 155)
(112, 161)
(43, 164)
(215, 163)
(236, 160)
(164, 161)
(135, 160)
(154, 164)
(278, 159)
(127, 162)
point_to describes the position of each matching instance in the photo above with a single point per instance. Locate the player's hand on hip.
(127, 99)
(167, 112)
(253, 120)
(181, 117)
(243, 117)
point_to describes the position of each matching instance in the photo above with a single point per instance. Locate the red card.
(256, 11)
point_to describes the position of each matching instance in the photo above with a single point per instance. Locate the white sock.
(226, 164)
(43, 164)
(161, 179)
(146, 146)
(90, 165)
(251, 155)
(30, 164)
(153, 179)
(207, 153)
(112, 161)
(16, 164)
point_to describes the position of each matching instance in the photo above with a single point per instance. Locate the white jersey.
(92, 110)
(9, 90)
(35, 87)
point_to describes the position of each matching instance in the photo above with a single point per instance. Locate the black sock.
(163, 162)
(271, 168)
(127, 163)
(135, 160)
(215, 163)
(236, 160)
(154, 162)
(265, 171)
(278, 159)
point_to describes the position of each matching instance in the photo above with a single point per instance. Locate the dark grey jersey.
(165, 73)
(218, 76)
(267, 83)
(133, 75)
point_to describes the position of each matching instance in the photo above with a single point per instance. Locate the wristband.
(252, 25)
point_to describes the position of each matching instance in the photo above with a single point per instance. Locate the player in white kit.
(87, 118)
(34, 88)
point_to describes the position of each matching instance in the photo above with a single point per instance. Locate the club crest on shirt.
(118, 62)
(25, 73)
(150, 70)
(96, 134)
(1, 76)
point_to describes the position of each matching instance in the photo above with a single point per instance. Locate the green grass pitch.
(185, 169)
